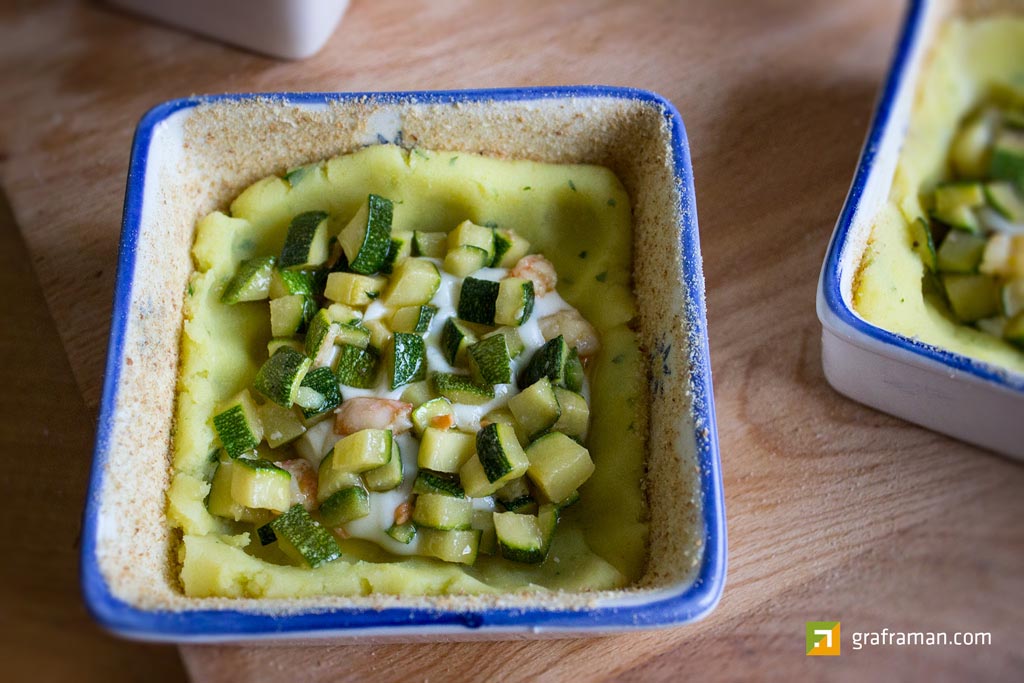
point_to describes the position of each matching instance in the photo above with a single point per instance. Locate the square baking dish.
(944, 391)
(181, 169)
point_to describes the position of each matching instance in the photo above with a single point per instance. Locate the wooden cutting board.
(835, 512)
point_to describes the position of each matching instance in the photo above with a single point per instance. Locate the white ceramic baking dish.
(944, 391)
(290, 29)
(185, 163)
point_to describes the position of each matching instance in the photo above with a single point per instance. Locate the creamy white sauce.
(383, 504)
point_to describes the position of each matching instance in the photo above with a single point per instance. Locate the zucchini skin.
(299, 244)
(323, 381)
(305, 540)
(373, 252)
(406, 359)
(477, 300)
(279, 378)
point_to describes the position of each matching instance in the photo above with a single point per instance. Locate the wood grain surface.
(835, 512)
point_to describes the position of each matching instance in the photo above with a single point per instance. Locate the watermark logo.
(822, 638)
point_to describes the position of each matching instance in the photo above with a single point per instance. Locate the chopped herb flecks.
(619, 358)
(572, 185)
(527, 188)
(611, 202)
(583, 254)
(451, 162)
(491, 224)
(601, 277)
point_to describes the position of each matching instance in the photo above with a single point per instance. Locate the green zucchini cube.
(238, 425)
(501, 456)
(345, 505)
(490, 361)
(558, 466)
(477, 300)
(260, 484)
(366, 239)
(281, 375)
(456, 545)
(405, 359)
(302, 539)
(305, 246)
(251, 281)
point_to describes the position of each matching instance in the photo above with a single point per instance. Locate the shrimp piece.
(574, 328)
(304, 481)
(537, 270)
(372, 413)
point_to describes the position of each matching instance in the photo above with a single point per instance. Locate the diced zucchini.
(288, 282)
(221, 503)
(1014, 330)
(357, 367)
(960, 252)
(536, 407)
(524, 505)
(260, 484)
(575, 417)
(325, 384)
(955, 204)
(399, 250)
(513, 342)
(353, 289)
(365, 450)
(281, 375)
(414, 283)
(330, 480)
(970, 152)
(1007, 162)
(509, 247)
(455, 341)
(289, 315)
(477, 300)
(475, 482)
(470, 234)
(379, 333)
(484, 521)
(436, 413)
(525, 538)
(1006, 199)
(456, 545)
(465, 260)
(574, 372)
(354, 334)
(294, 176)
(549, 361)
(558, 465)
(972, 297)
(460, 389)
(306, 243)
(405, 359)
(429, 244)
(403, 533)
(344, 314)
(367, 237)
(441, 484)
(923, 244)
(505, 416)
(238, 425)
(500, 454)
(280, 425)
(445, 450)
(490, 361)
(569, 501)
(442, 512)
(386, 477)
(413, 319)
(295, 344)
(251, 281)
(417, 393)
(345, 505)
(302, 539)
(515, 301)
(320, 338)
